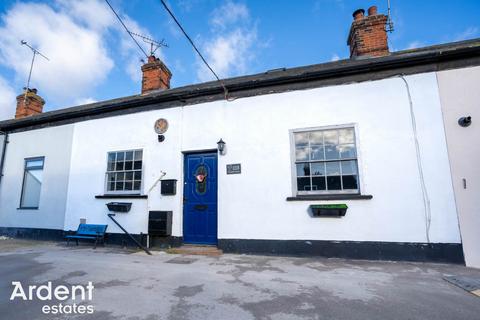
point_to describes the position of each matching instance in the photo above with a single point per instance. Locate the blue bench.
(90, 232)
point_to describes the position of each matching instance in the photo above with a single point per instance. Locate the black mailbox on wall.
(160, 223)
(168, 187)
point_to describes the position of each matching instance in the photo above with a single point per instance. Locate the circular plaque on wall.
(161, 126)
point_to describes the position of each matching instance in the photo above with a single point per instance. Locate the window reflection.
(326, 160)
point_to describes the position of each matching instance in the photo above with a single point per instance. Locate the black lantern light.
(221, 146)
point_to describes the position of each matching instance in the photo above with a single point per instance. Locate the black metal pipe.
(110, 215)
(4, 151)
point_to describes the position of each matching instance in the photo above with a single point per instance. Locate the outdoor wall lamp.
(221, 146)
(465, 121)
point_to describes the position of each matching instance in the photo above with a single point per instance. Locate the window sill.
(121, 196)
(330, 197)
(27, 208)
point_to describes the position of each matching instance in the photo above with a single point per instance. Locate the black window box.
(311, 197)
(328, 210)
(119, 206)
(121, 196)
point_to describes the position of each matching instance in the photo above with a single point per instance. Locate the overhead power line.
(126, 29)
(195, 47)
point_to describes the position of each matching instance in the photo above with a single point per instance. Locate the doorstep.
(202, 250)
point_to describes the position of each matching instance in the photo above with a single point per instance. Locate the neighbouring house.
(360, 158)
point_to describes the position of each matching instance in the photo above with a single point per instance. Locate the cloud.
(229, 13)
(231, 47)
(87, 100)
(78, 56)
(469, 33)
(7, 100)
(415, 44)
(78, 37)
(335, 57)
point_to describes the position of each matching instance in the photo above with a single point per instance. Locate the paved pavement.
(132, 285)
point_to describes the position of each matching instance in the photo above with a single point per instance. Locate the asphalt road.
(132, 285)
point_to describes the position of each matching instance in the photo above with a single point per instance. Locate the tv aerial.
(35, 52)
(154, 44)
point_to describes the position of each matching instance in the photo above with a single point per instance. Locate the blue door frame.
(200, 198)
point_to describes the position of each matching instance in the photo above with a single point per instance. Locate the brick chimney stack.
(156, 75)
(368, 36)
(29, 104)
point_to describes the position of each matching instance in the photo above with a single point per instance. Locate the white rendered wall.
(460, 97)
(55, 145)
(252, 205)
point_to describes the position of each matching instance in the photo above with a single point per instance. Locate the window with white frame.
(32, 183)
(326, 161)
(124, 172)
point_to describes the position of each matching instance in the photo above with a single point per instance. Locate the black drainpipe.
(4, 151)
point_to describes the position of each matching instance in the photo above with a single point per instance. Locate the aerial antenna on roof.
(389, 26)
(154, 44)
(35, 52)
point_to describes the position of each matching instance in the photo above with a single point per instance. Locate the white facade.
(55, 144)
(252, 205)
(460, 97)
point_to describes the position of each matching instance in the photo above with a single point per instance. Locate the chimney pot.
(368, 36)
(358, 14)
(372, 11)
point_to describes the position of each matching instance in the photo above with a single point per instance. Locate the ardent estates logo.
(45, 292)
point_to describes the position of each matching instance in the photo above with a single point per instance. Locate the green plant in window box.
(328, 210)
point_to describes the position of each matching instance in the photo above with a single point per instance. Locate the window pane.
(316, 137)
(303, 169)
(34, 163)
(301, 154)
(301, 139)
(120, 156)
(333, 183)
(347, 151)
(331, 152)
(137, 165)
(120, 176)
(138, 175)
(330, 137)
(111, 186)
(128, 185)
(129, 155)
(119, 166)
(318, 168)
(119, 186)
(31, 188)
(138, 155)
(136, 185)
(345, 136)
(111, 156)
(111, 177)
(350, 182)
(333, 168)
(303, 184)
(349, 167)
(318, 183)
(129, 175)
(128, 165)
(317, 153)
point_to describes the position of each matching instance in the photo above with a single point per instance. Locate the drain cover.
(181, 260)
(469, 284)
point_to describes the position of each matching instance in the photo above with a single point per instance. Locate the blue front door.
(200, 198)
